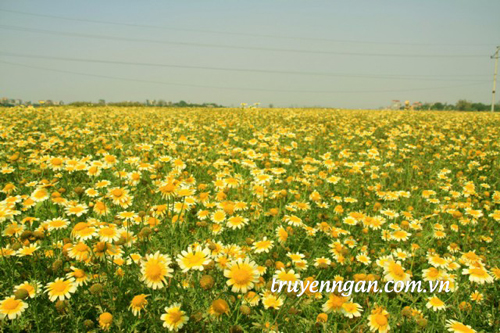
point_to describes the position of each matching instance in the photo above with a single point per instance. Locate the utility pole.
(495, 56)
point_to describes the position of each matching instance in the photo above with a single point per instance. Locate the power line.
(237, 88)
(235, 47)
(233, 33)
(225, 69)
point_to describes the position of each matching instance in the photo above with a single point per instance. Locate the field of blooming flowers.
(145, 219)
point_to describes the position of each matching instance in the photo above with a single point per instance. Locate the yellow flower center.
(477, 272)
(117, 192)
(109, 158)
(167, 188)
(56, 161)
(381, 320)
(400, 234)
(59, 223)
(40, 194)
(59, 286)
(154, 272)
(11, 304)
(139, 301)
(194, 259)
(79, 274)
(107, 232)
(106, 318)
(81, 247)
(241, 275)
(439, 261)
(459, 327)
(349, 307)
(433, 273)
(336, 301)
(28, 288)
(397, 270)
(80, 226)
(175, 317)
(287, 277)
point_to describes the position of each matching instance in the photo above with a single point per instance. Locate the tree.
(463, 105)
(480, 107)
(437, 106)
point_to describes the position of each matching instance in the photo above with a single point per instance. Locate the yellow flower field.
(157, 219)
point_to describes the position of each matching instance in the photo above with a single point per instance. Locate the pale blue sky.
(347, 61)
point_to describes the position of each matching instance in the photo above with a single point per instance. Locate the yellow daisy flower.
(155, 269)
(12, 308)
(174, 318)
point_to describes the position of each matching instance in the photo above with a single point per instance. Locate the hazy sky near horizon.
(346, 54)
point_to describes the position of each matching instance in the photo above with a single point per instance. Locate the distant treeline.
(461, 105)
(155, 103)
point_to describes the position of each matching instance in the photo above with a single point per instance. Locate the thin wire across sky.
(232, 33)
(6, 53)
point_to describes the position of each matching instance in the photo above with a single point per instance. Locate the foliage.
(325, 193)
